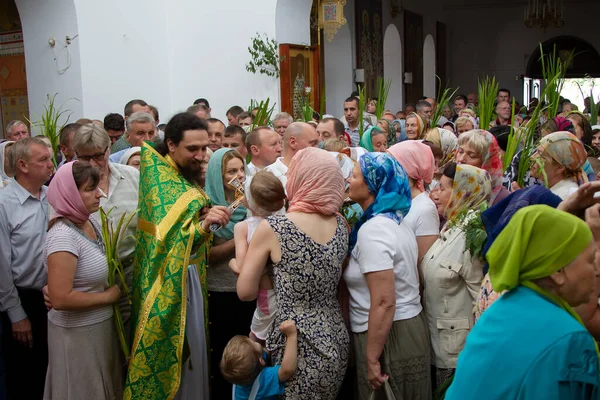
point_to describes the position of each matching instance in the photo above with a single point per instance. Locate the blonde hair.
(266, 194)
(467, 111)
(240, 363)
(462, 121)
(476, 139)
(334, 144)
(386, 125)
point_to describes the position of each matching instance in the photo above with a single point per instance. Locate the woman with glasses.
(119, 187)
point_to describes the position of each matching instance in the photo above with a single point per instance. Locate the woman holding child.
(225, 165)
(307, 247)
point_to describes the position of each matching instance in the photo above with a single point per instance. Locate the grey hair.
(14, 123)
(422, 104)
(139, 117)
(90, 137)
(21, 150)
(283, 115)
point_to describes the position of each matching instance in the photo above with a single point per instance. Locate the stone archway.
(429, 67)
(393, 67)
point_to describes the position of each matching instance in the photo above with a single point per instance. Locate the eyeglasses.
(97, 157)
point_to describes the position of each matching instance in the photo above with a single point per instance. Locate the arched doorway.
(429, 67)
(13, 80)
(392, 67)
(586, 60)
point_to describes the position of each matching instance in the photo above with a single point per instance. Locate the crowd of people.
(302, 259)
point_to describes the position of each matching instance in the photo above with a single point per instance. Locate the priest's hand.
(217, 215)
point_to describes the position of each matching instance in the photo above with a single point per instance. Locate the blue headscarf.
(388, 181)
(497, 217)
(402, 136)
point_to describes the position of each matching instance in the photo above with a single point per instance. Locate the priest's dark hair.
(176, 127)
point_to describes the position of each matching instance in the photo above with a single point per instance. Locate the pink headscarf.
(63, 196)
(315, 183)
(417, 159)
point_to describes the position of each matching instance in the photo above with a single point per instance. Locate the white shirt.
(423, 217)
(123, 189)
(383, 244)
(279, 169)
(252, 169)
(564, 188)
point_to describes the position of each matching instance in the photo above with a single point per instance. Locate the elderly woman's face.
(466, 154)
(412, 128)
(545, 169)
(379, 143)
(465, 127)
(442, 194)
(359, 191)
(134, 161)
(575, 282)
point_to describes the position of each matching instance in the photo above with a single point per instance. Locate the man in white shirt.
(264, 147)
(297, 136)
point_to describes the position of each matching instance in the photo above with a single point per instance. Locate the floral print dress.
(306, 282)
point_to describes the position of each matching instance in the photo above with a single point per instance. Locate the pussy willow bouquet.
(112, 238)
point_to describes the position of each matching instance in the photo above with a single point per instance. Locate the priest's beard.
(191, 173)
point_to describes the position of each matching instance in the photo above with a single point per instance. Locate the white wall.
(123, 47)
(167, 54)
(392, 67)
(339, 73)
(503, 48)
(40, 21)
(208, 51)
(292, 24)
(429, 80)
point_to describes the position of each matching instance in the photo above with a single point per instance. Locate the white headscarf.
(129, 153)
(3, 175)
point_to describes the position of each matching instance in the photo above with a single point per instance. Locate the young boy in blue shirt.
(244, 365)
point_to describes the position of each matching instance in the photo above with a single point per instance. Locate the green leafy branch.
(554, 70)
(112, 242)
(383, 90)
(264, 53)
(48, 124)
(444, 98)
(487, 90)
(263, 113)
(362, 96)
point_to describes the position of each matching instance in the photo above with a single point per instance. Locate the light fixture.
(331, 17)
(544, 14)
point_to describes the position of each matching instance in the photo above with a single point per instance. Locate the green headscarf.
(216, 192)
(366, 141)
(538, 241)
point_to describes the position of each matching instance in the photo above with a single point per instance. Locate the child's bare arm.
(240, 233)
(290, 355)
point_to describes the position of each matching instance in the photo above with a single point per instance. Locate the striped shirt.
(91, 274)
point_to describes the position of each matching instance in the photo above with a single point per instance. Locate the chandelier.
(544, 14)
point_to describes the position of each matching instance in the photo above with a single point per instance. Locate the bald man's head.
(298, 136)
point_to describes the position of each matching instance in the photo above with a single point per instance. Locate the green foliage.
(443, 99)
(263, 114)
(265, 56)
(112, 242)
(593, 104)
(513, 145)
(49, 124)
(383, 90)
(487, 90)
(470, 223)
(323, 101)
(362, 96)
(307, 112)
(554, 70)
